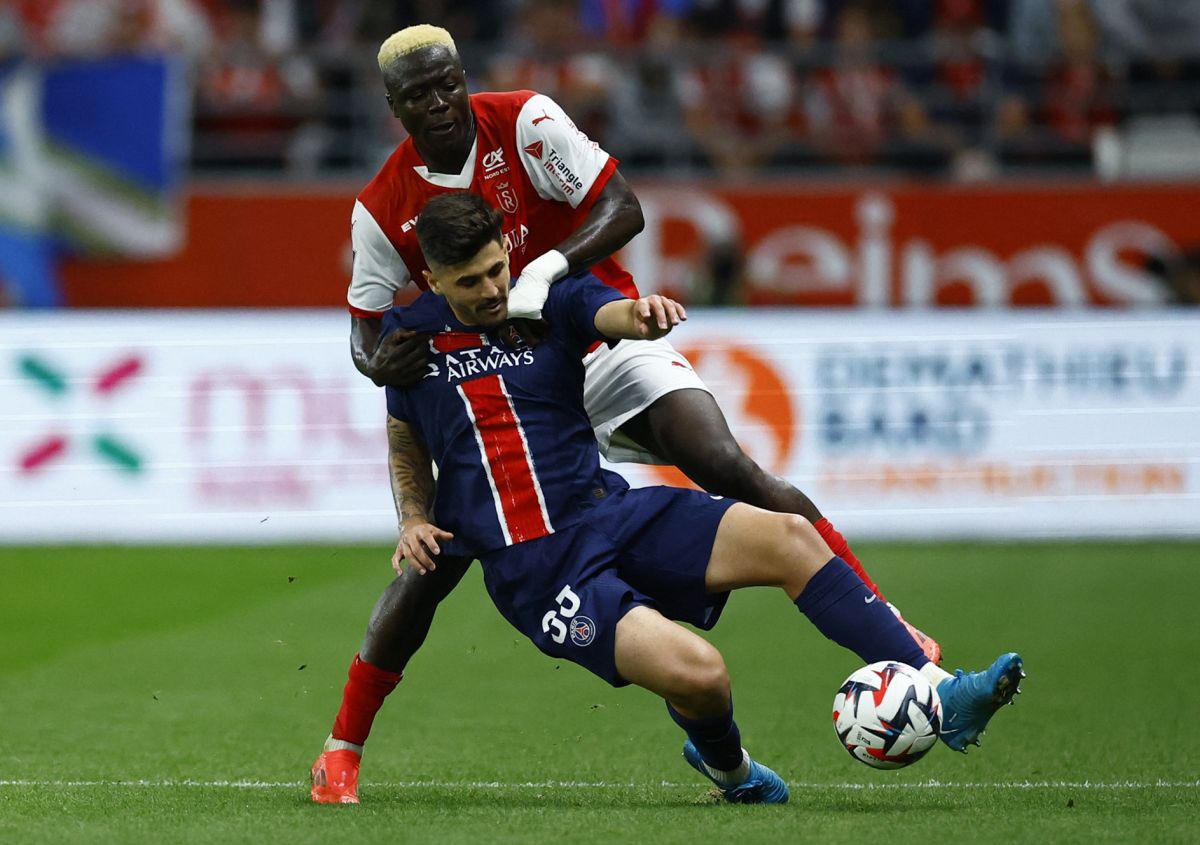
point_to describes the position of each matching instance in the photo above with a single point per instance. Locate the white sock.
(934, 674)
(733, 777)
(332, 744)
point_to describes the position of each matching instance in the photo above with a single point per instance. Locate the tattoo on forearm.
(411, 472)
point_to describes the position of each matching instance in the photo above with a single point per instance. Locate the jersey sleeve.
(378, 270)
(563, 164)
(572, 305)
(396, 406)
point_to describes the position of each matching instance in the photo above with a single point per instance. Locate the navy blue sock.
(718, 739)
(846, 611)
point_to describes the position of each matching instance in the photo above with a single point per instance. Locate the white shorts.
(623, 381)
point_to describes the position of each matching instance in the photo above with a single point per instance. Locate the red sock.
(841, 548)
(361, 699)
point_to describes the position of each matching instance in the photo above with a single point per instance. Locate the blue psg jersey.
(504, 420)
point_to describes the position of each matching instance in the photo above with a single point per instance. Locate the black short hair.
(453, 227)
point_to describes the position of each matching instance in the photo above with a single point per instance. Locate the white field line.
(574, 784)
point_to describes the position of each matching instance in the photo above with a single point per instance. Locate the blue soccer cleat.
(763, 787)
(970, 698)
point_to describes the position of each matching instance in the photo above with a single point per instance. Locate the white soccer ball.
(887, 715)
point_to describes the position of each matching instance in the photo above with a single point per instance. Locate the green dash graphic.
(42, 373)
(117, 452)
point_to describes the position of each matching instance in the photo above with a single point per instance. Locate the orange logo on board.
(756, 402)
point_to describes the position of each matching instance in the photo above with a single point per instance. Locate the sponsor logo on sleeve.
(557, 167)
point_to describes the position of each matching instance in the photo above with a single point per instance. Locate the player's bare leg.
(758, 548)
(690, 675)
(404, 613)
(688, 429)
(754, 547)
(398, 626)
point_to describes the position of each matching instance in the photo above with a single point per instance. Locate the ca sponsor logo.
(493, 160)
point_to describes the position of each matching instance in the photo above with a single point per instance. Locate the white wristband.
(548, 267)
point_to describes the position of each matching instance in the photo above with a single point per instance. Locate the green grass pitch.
(180, 694)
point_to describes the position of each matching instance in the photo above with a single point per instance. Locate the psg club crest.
(510, 336)
(518, 334)
(506, 197)
(583, 630)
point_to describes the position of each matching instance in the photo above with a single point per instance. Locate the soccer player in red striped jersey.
(565, 208)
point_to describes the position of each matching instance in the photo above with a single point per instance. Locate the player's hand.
(529, 291)
(401, 359)
(419, 545)
(527, 297)
(655, 316)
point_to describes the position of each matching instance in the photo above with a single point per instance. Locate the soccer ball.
(887, 715)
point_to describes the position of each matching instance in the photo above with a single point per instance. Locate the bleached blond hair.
(413, 38)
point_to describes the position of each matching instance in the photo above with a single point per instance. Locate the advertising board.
(987, 247)
(254, 427)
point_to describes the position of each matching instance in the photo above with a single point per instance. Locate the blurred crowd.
(966, 88)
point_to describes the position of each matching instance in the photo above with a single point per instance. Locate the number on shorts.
(568, 606)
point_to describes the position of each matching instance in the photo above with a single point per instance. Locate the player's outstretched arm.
(399, 360)
(647, 318)
(413, 486)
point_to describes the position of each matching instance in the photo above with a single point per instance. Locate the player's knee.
(701, 675)
(802, 535)
(801, 550)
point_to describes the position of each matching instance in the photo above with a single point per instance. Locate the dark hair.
(452, 228)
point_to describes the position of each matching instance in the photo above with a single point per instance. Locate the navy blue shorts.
(568, 590)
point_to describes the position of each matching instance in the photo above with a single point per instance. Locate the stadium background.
(942, 256)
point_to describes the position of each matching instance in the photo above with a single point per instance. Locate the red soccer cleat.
(927, 643)
(335, 777)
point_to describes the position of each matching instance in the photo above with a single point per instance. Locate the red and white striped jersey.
(528, 160)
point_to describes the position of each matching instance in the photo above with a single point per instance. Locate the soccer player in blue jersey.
(566, 208)
(587, 568)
